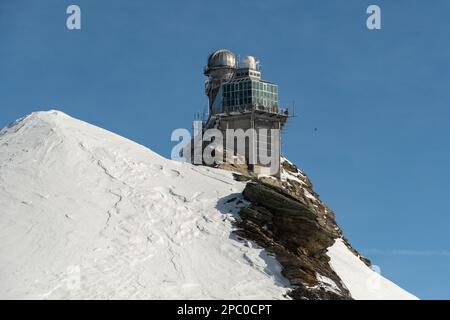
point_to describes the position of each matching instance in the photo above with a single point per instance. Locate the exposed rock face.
(287, 218)
(291, 231)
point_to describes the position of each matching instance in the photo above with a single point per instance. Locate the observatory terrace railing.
(250, 108)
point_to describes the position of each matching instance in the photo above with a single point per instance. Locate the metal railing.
(250, 107)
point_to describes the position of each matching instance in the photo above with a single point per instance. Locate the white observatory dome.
(249, 62)
(221, 58)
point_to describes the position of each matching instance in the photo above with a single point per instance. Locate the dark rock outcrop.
(290, 230)
(288, 219)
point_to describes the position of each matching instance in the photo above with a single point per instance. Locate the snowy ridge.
(363, 282)
(87, 214)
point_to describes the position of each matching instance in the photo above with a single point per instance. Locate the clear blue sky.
(380, 100)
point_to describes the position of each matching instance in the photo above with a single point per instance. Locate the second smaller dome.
(249, 62)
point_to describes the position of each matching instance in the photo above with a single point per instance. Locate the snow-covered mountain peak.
(79, 203)
(51, 118)
(85, 213)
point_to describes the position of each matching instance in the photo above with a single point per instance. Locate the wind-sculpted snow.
(85, 213)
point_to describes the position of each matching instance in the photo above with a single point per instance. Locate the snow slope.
(87, 214)
(362, 282)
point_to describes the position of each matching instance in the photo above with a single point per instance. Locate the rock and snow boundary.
(87, 214)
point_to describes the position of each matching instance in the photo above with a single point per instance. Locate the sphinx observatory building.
(240, 100)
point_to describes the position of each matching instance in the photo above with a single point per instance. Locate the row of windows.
(250, 94)
(261, 99)
(250, 101)
(250, 84)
